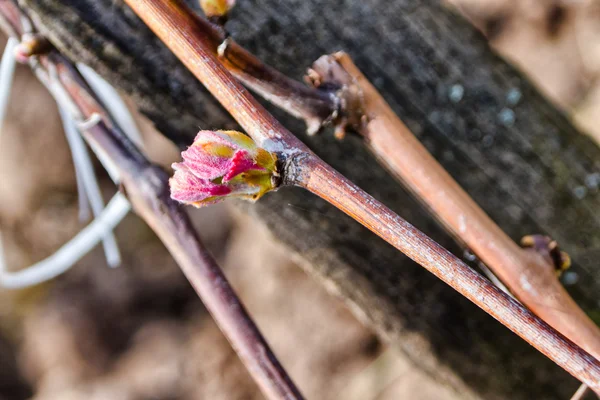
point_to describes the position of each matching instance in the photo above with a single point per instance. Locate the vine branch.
(177, 27)
(342, 95)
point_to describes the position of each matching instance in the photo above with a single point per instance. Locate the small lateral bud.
(216, 9)
(31, 44)
(223, 164)
(549, 249)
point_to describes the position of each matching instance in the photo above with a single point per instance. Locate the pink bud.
(220, 164)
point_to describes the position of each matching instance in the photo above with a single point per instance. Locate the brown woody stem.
(146, 186)
(147, 189)
(314, 106)
(301, 101)
(342, 193)
(179, 29)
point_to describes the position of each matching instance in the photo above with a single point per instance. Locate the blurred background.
(140, 332)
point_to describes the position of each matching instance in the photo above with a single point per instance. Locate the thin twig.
(581, 392)
(531, 277)
(316, 107)
(172, 22)
(147, 190)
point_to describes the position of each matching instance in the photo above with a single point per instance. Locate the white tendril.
(71, 252)
(84, 167)
(100, 229)
(7, 71)
(114, 104)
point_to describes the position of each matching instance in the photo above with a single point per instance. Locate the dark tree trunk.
(520, 159)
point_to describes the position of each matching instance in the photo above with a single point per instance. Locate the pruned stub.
(328, 74)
